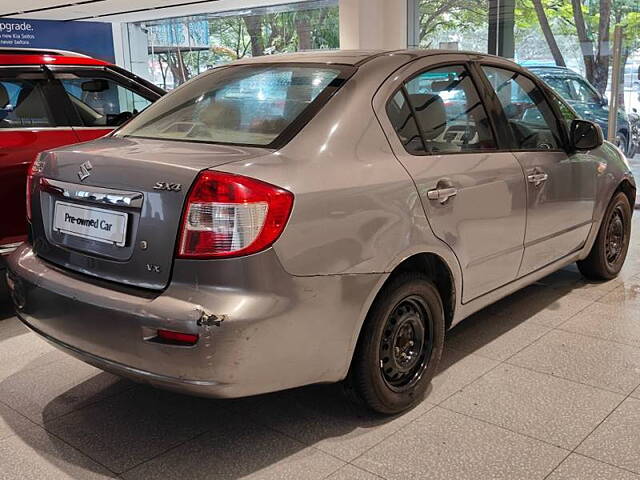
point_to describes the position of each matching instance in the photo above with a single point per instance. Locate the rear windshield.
(240, 105)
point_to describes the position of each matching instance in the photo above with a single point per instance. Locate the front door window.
(100, 101)
(531, 120)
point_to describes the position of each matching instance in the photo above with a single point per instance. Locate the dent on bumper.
(279, 331)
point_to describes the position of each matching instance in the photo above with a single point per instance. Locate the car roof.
(33, 56)
(358, 57)
(542, 69)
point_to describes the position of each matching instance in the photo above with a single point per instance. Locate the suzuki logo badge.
(85, 170)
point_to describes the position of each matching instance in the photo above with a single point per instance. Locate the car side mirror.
(586, 135)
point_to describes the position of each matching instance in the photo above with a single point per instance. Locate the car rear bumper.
(277, 331)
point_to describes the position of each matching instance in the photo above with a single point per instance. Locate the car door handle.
(537, 178)
(442, 194)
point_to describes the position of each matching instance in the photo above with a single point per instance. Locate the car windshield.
(243, 105)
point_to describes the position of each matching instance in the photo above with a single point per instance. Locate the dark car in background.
(49, 99)
(586, 101)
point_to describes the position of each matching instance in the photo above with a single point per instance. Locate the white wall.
(373, 24)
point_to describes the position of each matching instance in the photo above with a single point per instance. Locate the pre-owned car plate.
(92, 223)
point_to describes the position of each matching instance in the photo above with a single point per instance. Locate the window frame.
(501, 117)
(468, 66)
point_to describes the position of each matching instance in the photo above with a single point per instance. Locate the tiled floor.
(544, 384)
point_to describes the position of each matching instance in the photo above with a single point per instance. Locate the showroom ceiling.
(120, 10)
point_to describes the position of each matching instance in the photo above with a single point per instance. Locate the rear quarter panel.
(356, 209)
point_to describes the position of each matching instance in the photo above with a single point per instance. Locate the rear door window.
(243, 105)
(439, 111)
(23, 103)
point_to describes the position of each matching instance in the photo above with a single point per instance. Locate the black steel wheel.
(399, 346)
(614, 240)
(405, 344)
(609, 251)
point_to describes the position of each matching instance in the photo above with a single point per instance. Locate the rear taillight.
(230, 215)
(34, 169)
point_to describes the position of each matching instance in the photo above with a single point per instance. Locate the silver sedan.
(316, 217)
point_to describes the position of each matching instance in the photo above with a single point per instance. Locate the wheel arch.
(435, 267)
(628, 189)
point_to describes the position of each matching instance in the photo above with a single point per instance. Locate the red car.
(52, 98)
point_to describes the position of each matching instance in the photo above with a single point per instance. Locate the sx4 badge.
(167, 186)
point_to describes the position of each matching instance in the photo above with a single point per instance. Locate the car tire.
(400, 345)
(622, 142)
(609, 251)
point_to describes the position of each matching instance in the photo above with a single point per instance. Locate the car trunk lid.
(112, 208)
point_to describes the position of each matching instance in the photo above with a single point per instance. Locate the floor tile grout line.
(336, 470)
(163, 452)
(611, 412)
(535, 340)
(606, 463)
(474, 419)
(468, 384)
(365, 469)
(436, 404)
(557, 466)
(289, 436)
(506, 362)
(500, 362)
(602, 421)
(502, 427)
(112, 396)
(582, 293)
(20, 414)
(173, 447)
(557, 329)
(596, 337)
(254, 421)
(97, 462)
(551, 329)
(591, 433)
(602, 389)
(431, 407)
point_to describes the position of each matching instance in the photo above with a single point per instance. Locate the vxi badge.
(170, 187)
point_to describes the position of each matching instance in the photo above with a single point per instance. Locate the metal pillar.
(413, 24)
(615, 84)
(501, 28)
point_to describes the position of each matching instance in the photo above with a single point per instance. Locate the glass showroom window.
(452, 25)
(568, 44)
(177, 49)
